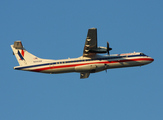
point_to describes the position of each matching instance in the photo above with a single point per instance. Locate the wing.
(90, 43)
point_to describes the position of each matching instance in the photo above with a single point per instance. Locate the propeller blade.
(108, 48)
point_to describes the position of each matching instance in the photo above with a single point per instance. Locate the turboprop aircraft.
(89, 62)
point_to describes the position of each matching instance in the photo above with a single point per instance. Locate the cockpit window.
(143, 54)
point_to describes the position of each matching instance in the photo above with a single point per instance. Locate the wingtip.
(93, 28)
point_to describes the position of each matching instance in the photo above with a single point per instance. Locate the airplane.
(89, 62)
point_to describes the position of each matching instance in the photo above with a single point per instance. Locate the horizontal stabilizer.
(18, 45)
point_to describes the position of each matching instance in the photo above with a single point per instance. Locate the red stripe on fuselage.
(99, 62)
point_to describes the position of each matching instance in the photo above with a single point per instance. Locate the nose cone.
(151, 60)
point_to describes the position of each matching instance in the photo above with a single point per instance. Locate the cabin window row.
(86, 60)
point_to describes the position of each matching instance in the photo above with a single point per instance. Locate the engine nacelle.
(99, 50)
(91, 68)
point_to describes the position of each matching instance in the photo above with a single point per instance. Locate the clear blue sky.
(56, 30)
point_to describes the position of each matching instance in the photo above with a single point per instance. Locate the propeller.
(108, 48)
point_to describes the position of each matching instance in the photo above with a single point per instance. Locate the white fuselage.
(86, 64)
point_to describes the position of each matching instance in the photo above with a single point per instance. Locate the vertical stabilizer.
(22, 55)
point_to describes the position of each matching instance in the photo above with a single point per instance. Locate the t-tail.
(22, 55)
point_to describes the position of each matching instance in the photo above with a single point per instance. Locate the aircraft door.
(51, 65)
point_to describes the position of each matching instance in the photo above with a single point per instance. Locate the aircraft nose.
(151, 59)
